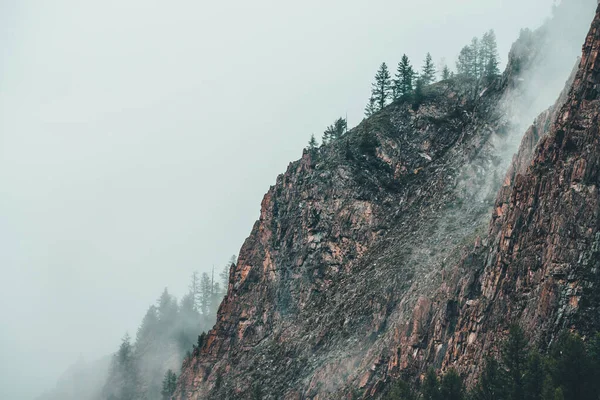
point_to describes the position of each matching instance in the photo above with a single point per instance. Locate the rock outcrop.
(374, 256)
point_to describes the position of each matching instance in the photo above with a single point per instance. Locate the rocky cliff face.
(541, 266)
(372, 257)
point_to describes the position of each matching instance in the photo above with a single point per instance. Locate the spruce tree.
(464, 63)
(167, 313)
(371, 107)
(335, 131)
(123, 380)
(224, 274)
(533, 380)
(431, 386)
(490, 55)
(428, 71)
(206, 294)
(404, 77)
(194, 288)
(492, 382)
(169, 385)
(446, 73)
(146, 333)
(401, 390)
(381, 90)
(418, 94)
(451, 387)
(312, 144)
(514, 357)
(573, 367)
(469, 61)
(593, 350)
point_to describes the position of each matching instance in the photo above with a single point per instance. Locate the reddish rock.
(359, 270)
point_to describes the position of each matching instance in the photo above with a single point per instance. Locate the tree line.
(477, 64)
(568, 370)
(144, 368)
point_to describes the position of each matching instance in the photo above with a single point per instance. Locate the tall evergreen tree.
(224, 274)
(593, 350)
(514, 357)
(480, 59)
(492, 382)
(123, 380)
(431, 386)
(489, 50)
(533, 380)
(206, 294)
(451, 387)
(194, 288)
(573, 368)
(446, 73)
(167, 309)
(312, 147)
(335, 131)
(404, 77)
(428, 71)
(381, 90)
(146, 333)
(418, 94)
(169, 385)
(464, 63)
(401, 391)
(469, 60)
(371, 107)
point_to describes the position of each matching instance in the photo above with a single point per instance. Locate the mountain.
(375, 256)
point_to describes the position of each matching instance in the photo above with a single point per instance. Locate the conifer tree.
(371, 107)
(431, 386)
(381, 90)
(146, 333)
(451, 387)
(123, 380)
(312, 144)
(418, 94)
(514, 357)
(446, 73)
(469, 64)
(492, 382)
(464, 63)
(335, 131)
(401, 390)
(167, 312)
(404, 77)
(533, 380)
(224, 274)
(490, 55)
(573, 368)
(169, 385)
(194, 288)
(428, 71)
(206, 294)
(479, 60)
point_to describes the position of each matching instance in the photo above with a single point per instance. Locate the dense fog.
(137, 139)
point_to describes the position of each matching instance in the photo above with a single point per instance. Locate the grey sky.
(138, 137)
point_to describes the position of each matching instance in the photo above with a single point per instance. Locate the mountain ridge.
(357, 270)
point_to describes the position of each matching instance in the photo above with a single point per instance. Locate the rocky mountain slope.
(373, 256)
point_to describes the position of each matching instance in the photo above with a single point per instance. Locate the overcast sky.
(137, 139)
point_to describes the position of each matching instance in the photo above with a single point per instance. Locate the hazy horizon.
(138, 138)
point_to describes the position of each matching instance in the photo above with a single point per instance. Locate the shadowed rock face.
(541, 267)
(371, 257)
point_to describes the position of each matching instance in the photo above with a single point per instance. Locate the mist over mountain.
(447, 209)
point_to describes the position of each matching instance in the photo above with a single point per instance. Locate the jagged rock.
(371, 256)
